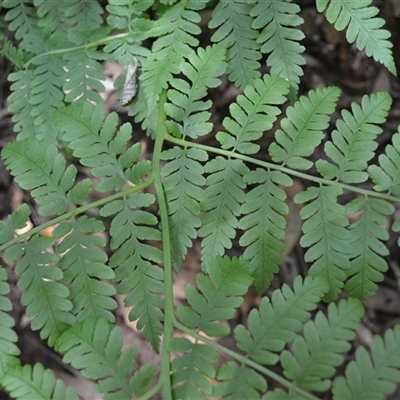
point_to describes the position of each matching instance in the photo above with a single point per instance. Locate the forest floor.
(330, 61)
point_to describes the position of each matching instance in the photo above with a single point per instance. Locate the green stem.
(169, 296)
(77, 211)
(245, 360)
(268, 165)
(76, 48)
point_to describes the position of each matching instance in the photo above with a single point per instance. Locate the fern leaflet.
(45, 297)
(17, 220)
(94, 347)
(367, 234)
(86, 14)
(326, 236)
(185, 106)
(84, 270)
(278, 37)
(353, 143)
(233, 20)
(135, 262)
(183, 180)
(216, 300)
(223, 196)
(264, 224)
(278, 319)
(253, 113)
(27, 383)
(316, 355)
(386, 176)
(8, 350)
(363, 27)
(302, 129)
(371, 377)
(178, 26)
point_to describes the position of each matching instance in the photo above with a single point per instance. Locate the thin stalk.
(268, 165)
(169, 295)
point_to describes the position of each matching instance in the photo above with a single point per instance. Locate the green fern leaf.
(45, 297)
(368, 378)
(38, 166)
(387, 176)
(238, 382)
(52, 16)
(84, 270)
(178, 26)
(220, 295)
(185, 106)
(17, 220)
(20, 104)
(302, 130)
(279, 394)
(191, 370)
(8, 350)
(353, 143)
(264, 224)
(86, 14)
(278, 37)
(135, 262)
(84, 76)
(13, 54)
(363, 27)
(326, 236)
(253, 113)
(278, 319)
(224, 194)
(183, 180)
(27, 383)
(316, 355)
(94, 347)
(234, 23)
(367, 233)
(94, 142)
(22, 19)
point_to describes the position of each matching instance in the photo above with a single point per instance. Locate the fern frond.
(38, 166)
(372, 376)
(83, 264)
(17, 220)
(353, 143)
(178, 26)
(94, 347)
(22, 19)
(264, 224)
(192, 371)
(94, 142)
(238, 382)
(234, 23)
(280, 38)
(326, 236)
(135, 262)
(367, 234)
(279, 394)
(183, 180)
(20, 104)
(386, 176)
(253, 113)
(363, 27)
(278, 319)
(45, 297)
(12, 53)
(217, 297)
(8, 350)
(85, 14)
(52, 16)
(27, 383)
(224, 194)
(84, 76)
(315, 355)
(186, 106)
(302, 129)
